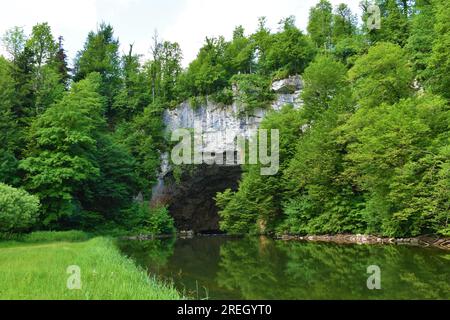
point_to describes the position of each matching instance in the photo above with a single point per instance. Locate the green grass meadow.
(38, 271)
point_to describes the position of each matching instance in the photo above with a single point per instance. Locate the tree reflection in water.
(261, 268)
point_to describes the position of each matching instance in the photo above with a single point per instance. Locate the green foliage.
(420, 42)
(439, 62)
(317, 201)
(198, 101)
(327, 27)
(9, 129)
(397, 154)
(252, 91)
(335, 31)
(156, 82)
(14, 41)
(134, 95)
(257, 59)
(101, 55)
(34, 69)
(159, 221)
(367, 153)
(55, 236)
(144, 219)
(164, 70)
(207, 73)
(103, 197)
(9, 168)
(348, 49)
(383, 75)
(344, 23)
(320, 22)
(62, 149)
(6, 95)
(324, 79)
(24, 99)
(47, 85)
(42, 44)
(145, 140)
(240, 53)
(256, 206)
(61, 64)
(290, 51)
(49, 89)
(224, 97)
(242, 212)
(395, 22)
(374, 157)
(18, 210)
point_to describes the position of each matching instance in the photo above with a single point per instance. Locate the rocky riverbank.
(423, 241)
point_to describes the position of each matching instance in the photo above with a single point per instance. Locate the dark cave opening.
(191, 200)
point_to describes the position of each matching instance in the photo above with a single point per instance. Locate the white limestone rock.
(222, 124)
(288, 86)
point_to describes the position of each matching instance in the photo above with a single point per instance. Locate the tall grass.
(45, 236)
(51, 236)
(39, 271)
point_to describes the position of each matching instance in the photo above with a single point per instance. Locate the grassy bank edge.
(34, 268)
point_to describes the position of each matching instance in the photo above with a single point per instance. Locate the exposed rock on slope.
(222, 124)
(191, 201)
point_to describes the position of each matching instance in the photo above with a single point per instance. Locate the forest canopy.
(79, 143)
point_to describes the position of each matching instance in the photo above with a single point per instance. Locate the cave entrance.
(191, 200)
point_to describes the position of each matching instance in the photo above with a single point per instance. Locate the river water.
(261, 268)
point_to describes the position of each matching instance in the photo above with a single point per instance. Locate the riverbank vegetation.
(369, 152)
(36, 268)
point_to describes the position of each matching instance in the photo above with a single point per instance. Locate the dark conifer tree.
(61, 63)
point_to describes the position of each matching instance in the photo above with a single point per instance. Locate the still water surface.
(261, 268)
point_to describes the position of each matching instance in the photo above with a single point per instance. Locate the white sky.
(187, 22)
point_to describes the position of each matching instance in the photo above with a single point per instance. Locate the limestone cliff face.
(191, 201)
(220, 125)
